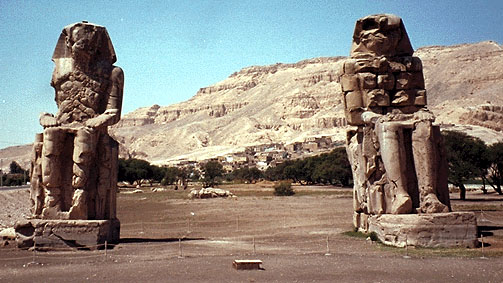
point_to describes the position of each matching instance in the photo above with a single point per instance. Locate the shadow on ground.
(156, 240)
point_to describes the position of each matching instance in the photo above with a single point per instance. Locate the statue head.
(84, 42)
(380, 35)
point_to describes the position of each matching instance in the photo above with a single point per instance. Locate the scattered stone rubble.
(210, 193)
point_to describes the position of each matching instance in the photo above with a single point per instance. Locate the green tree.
(15, 168)
(248, 174)
(327, 168)
(495, 169)
(283, 188)
(134, 170)
(465, 157)
(170, 176)
(212, 170)
(334, 168)
(277, 172)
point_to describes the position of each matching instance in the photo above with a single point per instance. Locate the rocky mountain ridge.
(285, 103)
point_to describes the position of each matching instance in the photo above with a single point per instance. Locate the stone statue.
(74, 161)
(395, 149)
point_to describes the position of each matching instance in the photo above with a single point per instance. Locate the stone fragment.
(386, 81)
(403, 98)
(246, 264)
(367, 80)
(349, 82)
(353, 100)
(210, 193)
(397, 67)
(407, 80)
(359, 66)
(420, 99)
(377, 97)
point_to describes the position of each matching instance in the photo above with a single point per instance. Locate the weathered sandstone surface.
(289, 102)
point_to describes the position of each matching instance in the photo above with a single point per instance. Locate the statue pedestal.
(44, 234)
(453, 229)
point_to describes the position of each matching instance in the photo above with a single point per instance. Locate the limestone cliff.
(278, 103)
(289, 102)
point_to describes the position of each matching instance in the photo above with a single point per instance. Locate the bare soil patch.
(167, 237)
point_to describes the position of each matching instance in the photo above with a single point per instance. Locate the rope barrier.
(186, 248)
(484, 216)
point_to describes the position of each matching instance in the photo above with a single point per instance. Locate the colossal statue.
(74, 161)
(395, 149)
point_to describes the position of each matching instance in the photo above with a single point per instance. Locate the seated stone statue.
(395, 150)
(74, 163)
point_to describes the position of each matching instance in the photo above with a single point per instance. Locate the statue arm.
(369, 117)
(112, 113)
(114, 105)
(48, 120)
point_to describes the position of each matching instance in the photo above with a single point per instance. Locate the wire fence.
(487, 217)
(194, 237)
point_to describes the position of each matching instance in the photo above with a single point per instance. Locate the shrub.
(283, 189)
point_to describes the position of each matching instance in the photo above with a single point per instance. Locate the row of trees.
(17, 176)
(469, 158)
(328, 168)
(136, 171)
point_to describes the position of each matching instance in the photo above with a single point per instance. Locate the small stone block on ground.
(246, 264)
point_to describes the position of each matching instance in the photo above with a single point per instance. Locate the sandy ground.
(167, 238)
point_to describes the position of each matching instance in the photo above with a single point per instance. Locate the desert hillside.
(290, 102)
(285, 103)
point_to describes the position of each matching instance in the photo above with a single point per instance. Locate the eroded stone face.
(395, 151)
(74, 161)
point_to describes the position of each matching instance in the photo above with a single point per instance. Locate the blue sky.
(170, 49)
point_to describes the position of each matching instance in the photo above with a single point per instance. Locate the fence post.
(180, 255)
(328, 248)
(482, 240)
(106, 248)
(254, 250)
(406, 247)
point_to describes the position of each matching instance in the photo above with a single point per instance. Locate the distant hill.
(284, 103)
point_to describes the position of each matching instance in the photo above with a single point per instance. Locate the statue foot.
(79, 205)
(53, 213)
(431, 204)
(402, 204)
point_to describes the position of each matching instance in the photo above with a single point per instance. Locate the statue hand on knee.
(48, 120)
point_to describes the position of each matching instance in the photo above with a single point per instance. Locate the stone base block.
(453, 229)
(59, 234)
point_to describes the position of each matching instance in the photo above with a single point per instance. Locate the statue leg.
(36, 188)
(390, 136)
(354, 152)
(51, 172)
(106, 181)
(425, 152)
(83, 153)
